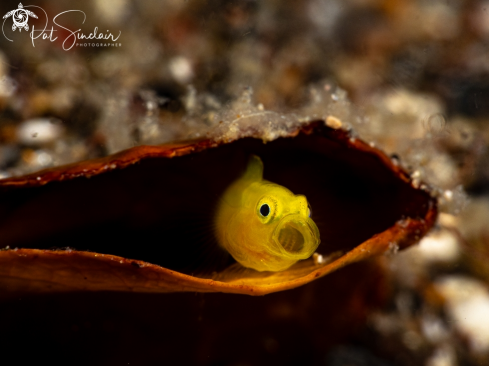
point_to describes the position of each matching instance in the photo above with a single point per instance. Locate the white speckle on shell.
(333, 122)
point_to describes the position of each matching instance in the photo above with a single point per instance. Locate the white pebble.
(38, 131)
(439, 246)
(467, 302)
(181, 69)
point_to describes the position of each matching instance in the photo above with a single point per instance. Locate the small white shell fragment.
(38, 131)
(333, 122)
(318, 259)
(393, 249)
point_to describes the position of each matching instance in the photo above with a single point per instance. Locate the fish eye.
(265, 210)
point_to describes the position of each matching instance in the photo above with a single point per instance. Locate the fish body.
(263, 225)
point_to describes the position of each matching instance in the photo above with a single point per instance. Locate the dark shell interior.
(293, 327)
(160, 210)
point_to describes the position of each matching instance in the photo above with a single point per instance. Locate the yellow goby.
(263, 225)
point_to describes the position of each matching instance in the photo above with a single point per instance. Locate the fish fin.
(254, 170)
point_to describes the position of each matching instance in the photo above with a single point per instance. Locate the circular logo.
(20, 17)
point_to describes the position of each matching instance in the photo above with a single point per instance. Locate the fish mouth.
(297, 236)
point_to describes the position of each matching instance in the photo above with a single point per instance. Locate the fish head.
(291, 231)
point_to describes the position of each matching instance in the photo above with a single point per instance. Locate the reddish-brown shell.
(141, 220)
